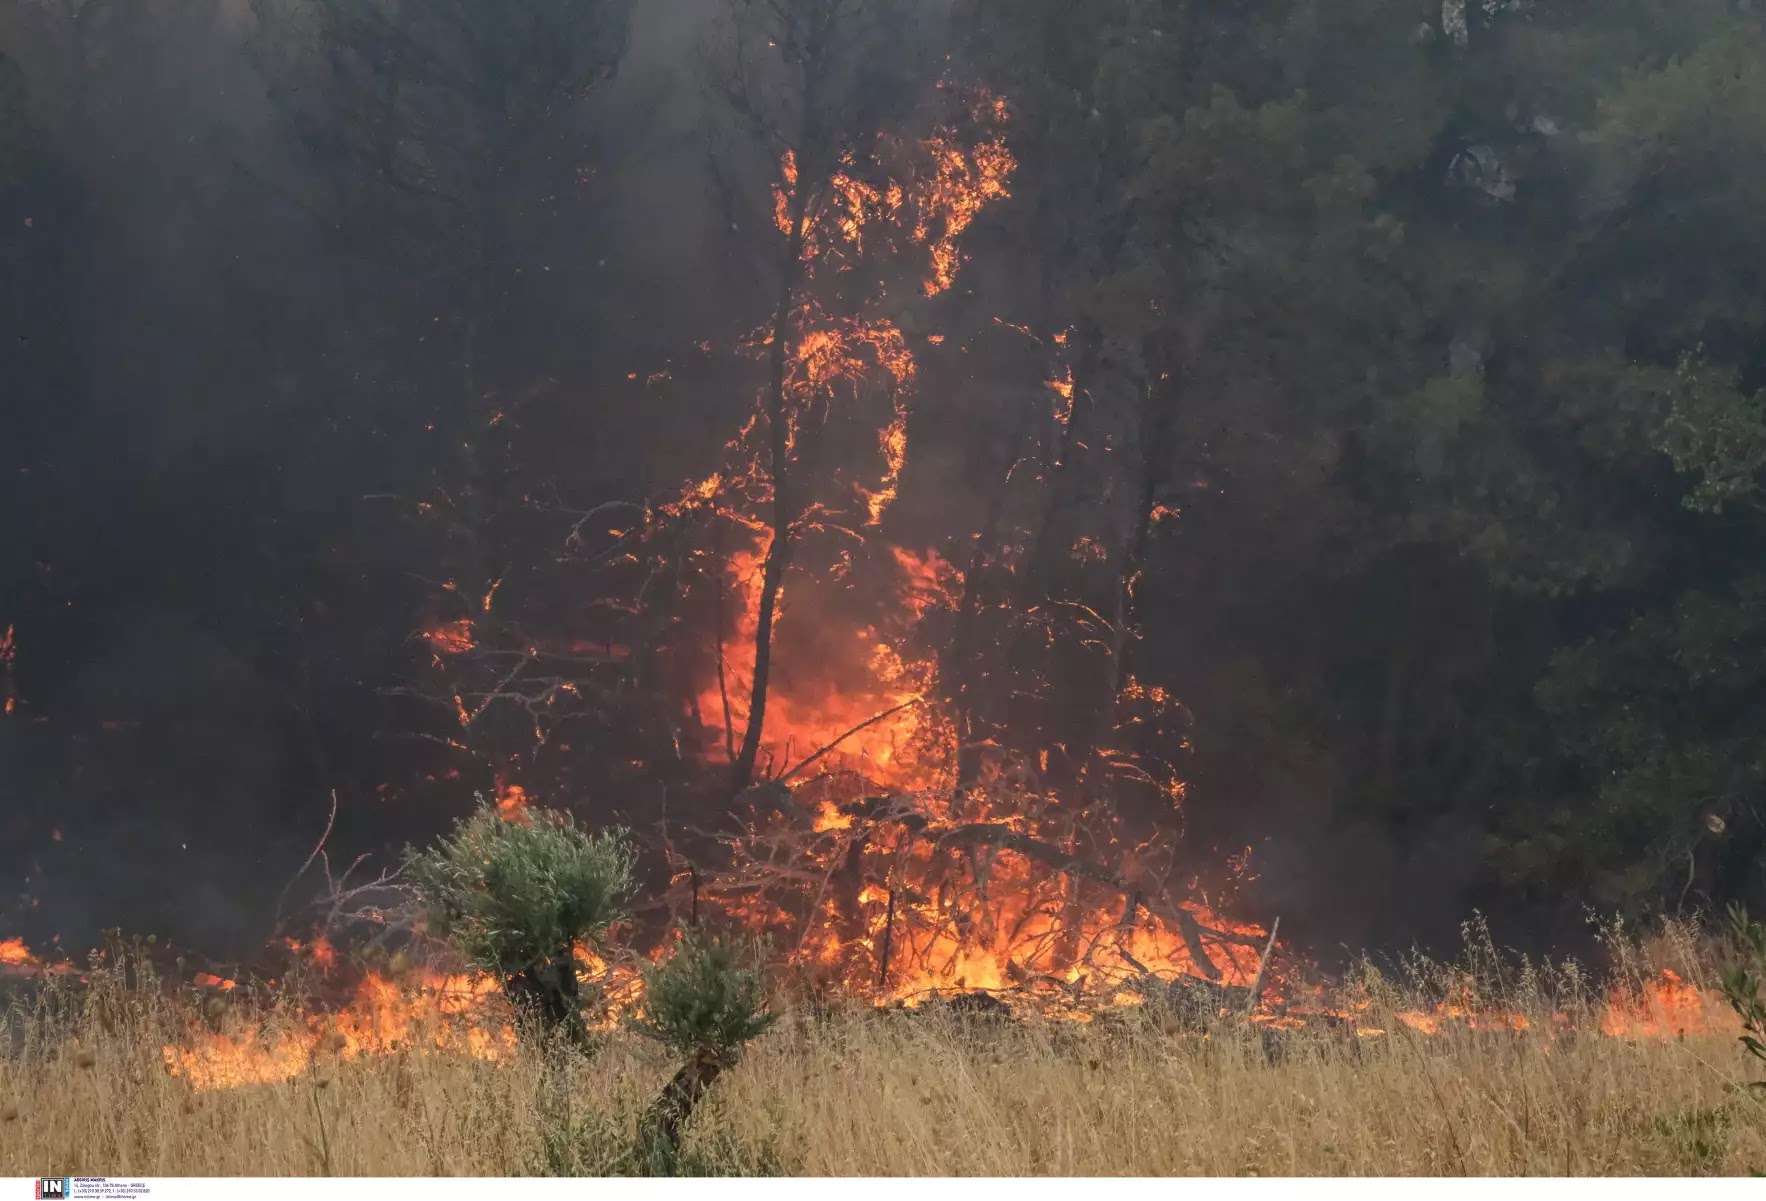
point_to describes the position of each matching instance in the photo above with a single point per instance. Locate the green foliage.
(1666, 713)
(709, 993)
(1743, 983)
(1716, 435)
(513, 895)
(1222, 153)
(1462, 315)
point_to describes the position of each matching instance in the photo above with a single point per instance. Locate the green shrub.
(518, 899)
(706, 1001)
(1742, 983)
(708, 993)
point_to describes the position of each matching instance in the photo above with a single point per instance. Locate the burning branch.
(784, 516)
(1262, 964)
(1053, 857)
(809, 866)
(858, 729)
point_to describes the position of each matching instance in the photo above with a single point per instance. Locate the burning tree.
(940, 807)
(899, 843)
(828, 77)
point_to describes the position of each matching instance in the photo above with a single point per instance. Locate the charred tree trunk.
(723, 679)
(963, 657)
(548, 995)
(778, 556)
(1156, 422)
(847, 884)
(1067, 946)
(670, 1111)
(1157, 419)
(1063, 482)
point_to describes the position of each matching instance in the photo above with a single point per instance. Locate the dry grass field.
(85, 1089)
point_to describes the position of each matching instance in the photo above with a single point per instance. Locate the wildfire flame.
(511, 802)
(16, 957)
(8, 656)
(1663, 1008)
(920, 866)
(454, 637)
(966, 181)
(963, 900)
(862, 699)
(953, 184)
(468, 1014)
(448, 1012)
(459, 1013)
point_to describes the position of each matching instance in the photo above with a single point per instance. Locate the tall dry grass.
(84, 1090)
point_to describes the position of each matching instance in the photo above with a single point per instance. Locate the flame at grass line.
(1665, 1007)
(446, 1013)
(466, 1014)
(420, 1010)
(16, 958)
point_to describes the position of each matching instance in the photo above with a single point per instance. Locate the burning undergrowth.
(323, 1008)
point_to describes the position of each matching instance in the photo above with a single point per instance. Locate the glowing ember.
(511, 802)
(8, 655)
(966, 181)
(319, 953)
(453, 638)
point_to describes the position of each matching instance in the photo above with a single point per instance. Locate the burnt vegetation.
(993, 496)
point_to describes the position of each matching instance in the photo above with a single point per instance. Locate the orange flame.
(966, 181)
(511, 802)
(840, 705)
(15, 956)
(454, 637)
(446, 1012)
(1663, 1008)
(8, 655)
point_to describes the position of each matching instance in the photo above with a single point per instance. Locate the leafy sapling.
(519, 898)
(1744, 981)
(707, 1001)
